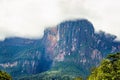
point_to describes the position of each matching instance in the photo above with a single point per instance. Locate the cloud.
(29, 18)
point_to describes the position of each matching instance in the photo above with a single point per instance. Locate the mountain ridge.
(71, 43)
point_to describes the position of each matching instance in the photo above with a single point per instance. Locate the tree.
(5, 76)
(109, 69)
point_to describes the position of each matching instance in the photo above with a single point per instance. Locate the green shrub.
(5, 76)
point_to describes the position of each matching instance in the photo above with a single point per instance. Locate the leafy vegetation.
(5, 76)
(108, 70)
(49, 75)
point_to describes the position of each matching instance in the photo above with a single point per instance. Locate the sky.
(29, 18)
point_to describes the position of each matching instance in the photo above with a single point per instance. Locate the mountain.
(71, 48)
(78, 48)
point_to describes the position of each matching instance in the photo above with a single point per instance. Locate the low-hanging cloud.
(29, 18)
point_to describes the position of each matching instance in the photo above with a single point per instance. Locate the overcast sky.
(29, 18)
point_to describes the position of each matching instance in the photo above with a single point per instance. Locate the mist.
(29, 18)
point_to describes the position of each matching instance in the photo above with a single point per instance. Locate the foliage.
(49, 75)
(109, 69)
(5, 76)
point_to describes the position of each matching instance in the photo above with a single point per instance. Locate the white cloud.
(29, 18)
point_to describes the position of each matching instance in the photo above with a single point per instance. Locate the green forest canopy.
(109, 69)
(5, 76)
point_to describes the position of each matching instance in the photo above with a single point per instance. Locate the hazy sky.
(29, 18)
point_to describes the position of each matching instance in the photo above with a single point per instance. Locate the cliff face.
(72, 47)
(78, 37)
(74, 43)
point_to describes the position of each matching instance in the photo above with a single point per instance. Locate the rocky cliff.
(72, 47)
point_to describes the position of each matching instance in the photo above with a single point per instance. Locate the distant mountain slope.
(20, 56)
(72, 48)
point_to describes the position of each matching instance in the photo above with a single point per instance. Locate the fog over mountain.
(29, 18)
